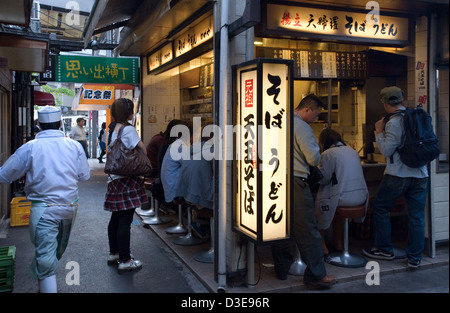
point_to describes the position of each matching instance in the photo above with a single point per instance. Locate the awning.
(43, 98)
(147, 23)
(16, 12)
(24, 53)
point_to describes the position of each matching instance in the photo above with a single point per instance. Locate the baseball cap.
(391, 95)
(49, 114)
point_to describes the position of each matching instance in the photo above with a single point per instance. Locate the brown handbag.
(126, 162)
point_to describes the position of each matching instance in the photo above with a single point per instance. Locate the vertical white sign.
(247, 145)
(274, 133)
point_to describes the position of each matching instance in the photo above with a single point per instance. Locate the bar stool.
(156, 219)
(344, 258)
(298, 267)
(207, 256)
(179, 228)
(188, 239)
(151, 211)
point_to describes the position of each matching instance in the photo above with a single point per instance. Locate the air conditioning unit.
(36, 11)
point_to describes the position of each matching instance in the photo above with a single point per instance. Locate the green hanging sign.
(104, 70)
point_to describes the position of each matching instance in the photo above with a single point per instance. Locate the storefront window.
(442, 118)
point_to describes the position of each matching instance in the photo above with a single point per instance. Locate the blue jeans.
(414, 191)
(51, 240)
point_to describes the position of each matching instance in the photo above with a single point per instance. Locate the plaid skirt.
(125, 194)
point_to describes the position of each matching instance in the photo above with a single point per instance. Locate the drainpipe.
(223, 105)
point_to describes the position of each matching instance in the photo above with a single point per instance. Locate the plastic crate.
(7, 268)
(20, 211)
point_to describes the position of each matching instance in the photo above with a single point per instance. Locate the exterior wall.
(5, 136)
(439, 195)
(161, 101)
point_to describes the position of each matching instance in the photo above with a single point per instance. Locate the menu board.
(321, 64)
(206, 75)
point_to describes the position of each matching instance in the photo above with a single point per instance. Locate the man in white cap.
(53, 165)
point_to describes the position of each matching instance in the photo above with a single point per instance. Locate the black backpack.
(420, 145)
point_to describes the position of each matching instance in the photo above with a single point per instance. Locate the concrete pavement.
(162, 272)
(168, 268)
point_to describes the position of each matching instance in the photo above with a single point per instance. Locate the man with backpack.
(398, 180)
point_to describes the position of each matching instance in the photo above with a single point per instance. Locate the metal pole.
(223, 105)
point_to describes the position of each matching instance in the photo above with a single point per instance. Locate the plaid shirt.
(125, 194)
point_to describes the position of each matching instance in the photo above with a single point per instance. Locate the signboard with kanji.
(324, 23)
(262, 169)
(100, 70)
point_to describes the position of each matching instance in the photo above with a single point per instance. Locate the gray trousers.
(305, 234)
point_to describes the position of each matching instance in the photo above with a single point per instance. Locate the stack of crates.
(7, 268)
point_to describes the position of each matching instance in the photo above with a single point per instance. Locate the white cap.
(49, 114)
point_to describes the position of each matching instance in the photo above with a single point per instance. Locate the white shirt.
(78, 133)
(54, 165)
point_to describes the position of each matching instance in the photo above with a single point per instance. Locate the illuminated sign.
(262, 168)
(194, 37)
(102, 70)
(352, 26)
(160, 57)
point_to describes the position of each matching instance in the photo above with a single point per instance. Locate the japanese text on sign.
(336, 23)
(248, 173)
(97, 69)
(274, 156)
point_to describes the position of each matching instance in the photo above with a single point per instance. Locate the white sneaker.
(129, 266)
(113, 259)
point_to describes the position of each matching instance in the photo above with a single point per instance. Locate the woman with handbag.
(124, 193)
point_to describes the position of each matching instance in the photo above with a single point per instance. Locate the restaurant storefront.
(346, 55)
(340, 53)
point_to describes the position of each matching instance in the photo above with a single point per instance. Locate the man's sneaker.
(131, 265)
(414, 263)
(376, 253)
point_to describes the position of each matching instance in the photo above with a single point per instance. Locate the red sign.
(249, 93)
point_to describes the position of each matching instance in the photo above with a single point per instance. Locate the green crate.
(7, 255)
(7, 268)
(8, 252)
(6, 285)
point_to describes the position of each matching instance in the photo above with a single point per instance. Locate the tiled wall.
(161, 101)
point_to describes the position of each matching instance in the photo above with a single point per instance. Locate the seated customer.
(173, 158)
(342, 184)
(196, 182)
(152, 152)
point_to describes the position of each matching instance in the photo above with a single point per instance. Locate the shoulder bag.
(126, 162)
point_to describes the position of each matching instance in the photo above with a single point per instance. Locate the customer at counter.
(306, 234)
(398, 180)
(343, 184)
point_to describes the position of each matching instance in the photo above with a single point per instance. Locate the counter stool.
(151, 211)
(156, 219)
(298, 267)
(344, 258)
(188, 239)
(208, 256)
(179, 228)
